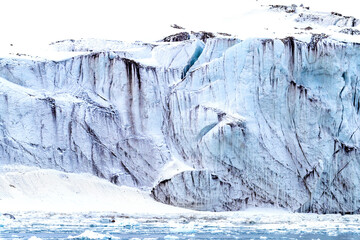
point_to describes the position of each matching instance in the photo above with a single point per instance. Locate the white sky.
(44, 21)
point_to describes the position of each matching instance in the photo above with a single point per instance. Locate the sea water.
(34, 225)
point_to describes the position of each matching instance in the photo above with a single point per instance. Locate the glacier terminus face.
(209, 122)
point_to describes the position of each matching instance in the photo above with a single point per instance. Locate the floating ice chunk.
(35, 238)
(171, 237)
(92, 235)
(332, 233)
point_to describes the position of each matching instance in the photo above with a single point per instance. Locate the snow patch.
(25, 188)
(174, 167)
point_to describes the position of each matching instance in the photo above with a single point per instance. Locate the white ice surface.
(35, 238)
(92, 235)
(33, 189)
(174, 167)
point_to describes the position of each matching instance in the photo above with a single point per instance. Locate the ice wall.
(100, 112)
(264, 122)
(277, 121)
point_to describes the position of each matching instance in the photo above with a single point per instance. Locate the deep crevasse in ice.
(262, 121)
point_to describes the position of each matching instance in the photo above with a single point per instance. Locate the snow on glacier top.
(37, 23)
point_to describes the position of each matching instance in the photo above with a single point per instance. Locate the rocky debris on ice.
(350, 31)
(178, 37)
(183, 36)
(8, 215)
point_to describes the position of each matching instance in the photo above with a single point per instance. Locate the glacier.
(276, 121)
(203, 121)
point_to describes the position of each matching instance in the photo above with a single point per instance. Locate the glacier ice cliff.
(261, 122)
(100, 112)
(277, 121)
